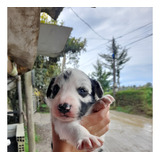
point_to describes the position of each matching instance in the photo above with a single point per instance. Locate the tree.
(45, 68)
(73, 49)
(122, 58)
(101, 75)
(46, 19)
(115, 60)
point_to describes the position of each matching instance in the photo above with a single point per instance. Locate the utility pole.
(114, 78)
(114, 70)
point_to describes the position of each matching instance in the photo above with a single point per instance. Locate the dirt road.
(127, 133)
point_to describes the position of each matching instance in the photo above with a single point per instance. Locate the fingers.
(110, 98)
(101, 104)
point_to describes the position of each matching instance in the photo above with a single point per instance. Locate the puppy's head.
(71, 94)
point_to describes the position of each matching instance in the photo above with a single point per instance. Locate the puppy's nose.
(64, 108)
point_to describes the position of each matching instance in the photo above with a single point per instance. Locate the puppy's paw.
(89, 143)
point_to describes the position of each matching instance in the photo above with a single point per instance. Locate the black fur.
(56, 89)
(96, 88)
(52, 90)
(66, 75)
(49, 90)
(85, 107)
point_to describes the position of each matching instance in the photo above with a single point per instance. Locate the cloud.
(112, 22)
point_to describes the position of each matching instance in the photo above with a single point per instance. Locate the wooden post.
(20, 99)
(29, 109)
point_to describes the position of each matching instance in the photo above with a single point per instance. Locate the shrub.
(137, 101)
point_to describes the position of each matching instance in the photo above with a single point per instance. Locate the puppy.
(70, 96)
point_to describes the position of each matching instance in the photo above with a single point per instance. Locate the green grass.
(135, 101)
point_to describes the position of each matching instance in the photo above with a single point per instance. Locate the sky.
(130, 26)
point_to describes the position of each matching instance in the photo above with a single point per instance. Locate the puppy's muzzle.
(64, 108)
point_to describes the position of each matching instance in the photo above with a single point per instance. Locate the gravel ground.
(127, 133)
(43, 130)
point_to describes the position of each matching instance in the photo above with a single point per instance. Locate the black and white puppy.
(70, 96)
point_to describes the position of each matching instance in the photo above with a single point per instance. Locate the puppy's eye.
(82, 91)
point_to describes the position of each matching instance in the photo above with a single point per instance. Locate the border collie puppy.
(70, 96)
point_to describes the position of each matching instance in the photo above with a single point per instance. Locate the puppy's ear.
(49, 90)
(97, 88)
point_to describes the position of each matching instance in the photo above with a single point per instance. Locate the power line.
(145, 33)
(117, 37)
(139, 39)
(93, 58)
(87, 24)
(134, 30)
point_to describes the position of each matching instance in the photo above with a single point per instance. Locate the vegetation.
(44, 18)
(45, 68)
(73, 49)
(135, 101)
(100, 75)
(43, 108)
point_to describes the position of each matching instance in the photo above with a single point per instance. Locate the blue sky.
(132, 23)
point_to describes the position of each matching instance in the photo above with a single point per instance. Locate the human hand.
(97, 123)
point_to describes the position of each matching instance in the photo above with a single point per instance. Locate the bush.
(43, 108)
(137, 101)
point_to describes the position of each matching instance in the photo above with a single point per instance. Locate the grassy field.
(135, 101)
